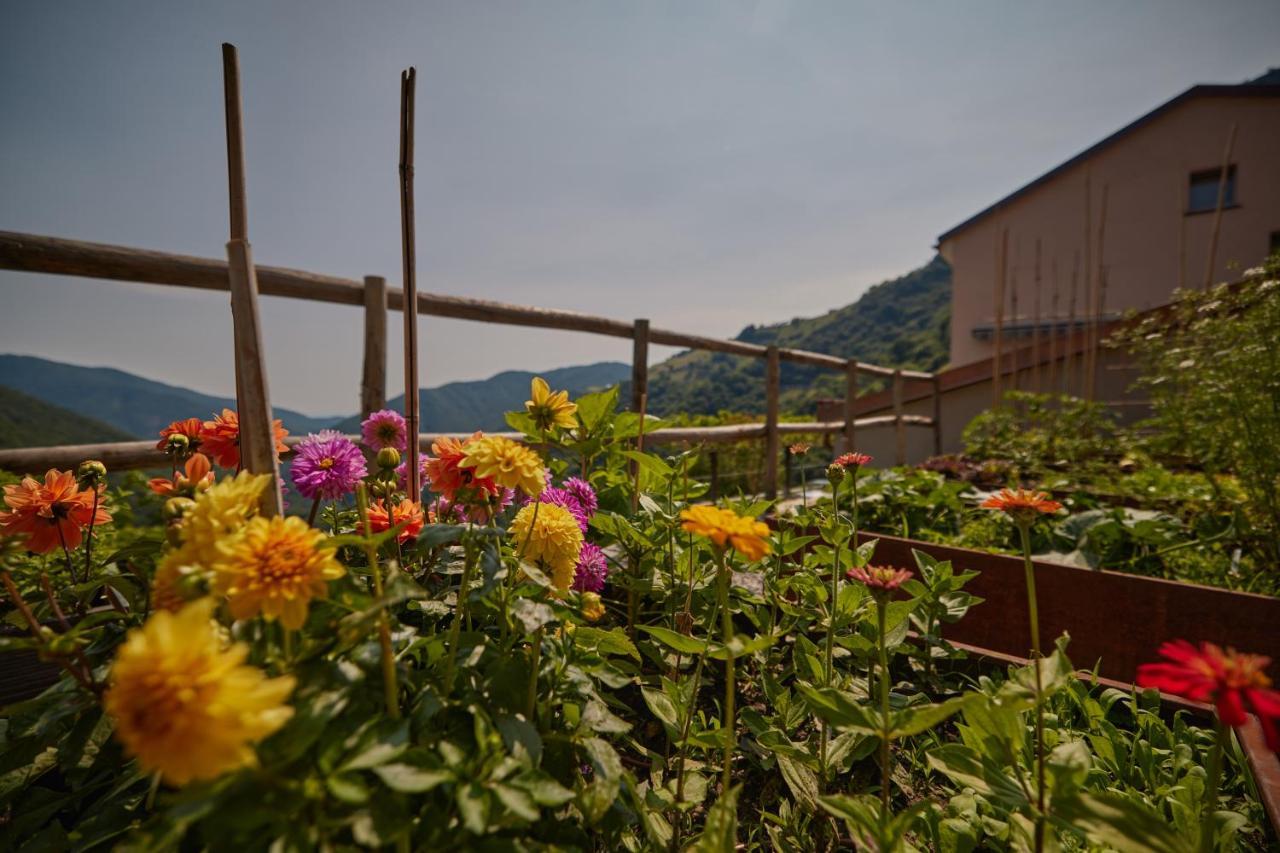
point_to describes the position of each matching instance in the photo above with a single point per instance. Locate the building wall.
(1148, 236)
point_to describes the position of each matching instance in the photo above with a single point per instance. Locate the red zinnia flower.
(220, 438)
(851, 460)
(190, 428)
(880, 577)
(1235, 683)
(1022, 504)
(406, 512)
(50, 514)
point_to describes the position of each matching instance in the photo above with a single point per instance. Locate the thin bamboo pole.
(1223, 176)
(1035, 328)
(1053, 327)
(772, 382)
(997, 358)
(373, 384)
(257, 437)
(408, 79)
(1095, 326)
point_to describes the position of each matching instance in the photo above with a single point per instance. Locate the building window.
(1202, 194)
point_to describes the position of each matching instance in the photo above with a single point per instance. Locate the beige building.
(1125, 222)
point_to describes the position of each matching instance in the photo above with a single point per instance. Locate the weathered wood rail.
(59, 256)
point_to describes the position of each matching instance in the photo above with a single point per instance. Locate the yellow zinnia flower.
(220, 510)
(185, 706)
(725, 527)
(550, 408)
(555, 542)
(506, 462)
(275, 566)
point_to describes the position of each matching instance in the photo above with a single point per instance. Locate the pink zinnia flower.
(851, 460)
(880, 577)
(592, 569)
(327, 466)
(385, 429)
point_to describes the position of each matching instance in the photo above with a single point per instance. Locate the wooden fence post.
(373, 387)
(253, 402)
(937, 415)
(899, 426)
(639, 364)
(408, 79)
(850, 403)
(772, 379)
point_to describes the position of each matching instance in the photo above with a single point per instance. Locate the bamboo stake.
(1088, 276)
(1035, 328)
(1068, 343)
(1053, 328)
(411, 405)
(1095, 327)
(1002, 254)
(1223, 175)
(253, 401)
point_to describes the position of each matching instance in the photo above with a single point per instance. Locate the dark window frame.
(1214, 175)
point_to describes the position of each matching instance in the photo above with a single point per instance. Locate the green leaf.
(802, 781)
(662, 707)
(650, 463)
(720, 833)
(675, 640)
(409, 779)
(839, 708)
(348, 789)
(966, 768)
(740, 646)
(532, 614)
(914, 720)
(1125, 823)
(614, 642)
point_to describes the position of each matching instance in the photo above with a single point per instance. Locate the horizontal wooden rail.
(132, 455)
(59, 256)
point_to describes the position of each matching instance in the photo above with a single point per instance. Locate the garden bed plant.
(562, 648)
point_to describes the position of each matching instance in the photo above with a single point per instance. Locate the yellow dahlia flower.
(185, 706)
(275, 566)
(592, 606)
(724, 527)
(506, 462)
(220, 511)
(555, 540)
(550, 408)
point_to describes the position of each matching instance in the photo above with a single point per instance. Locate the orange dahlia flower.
(448, 478)
(406, 512)
(220, 438)
(190, 428)
(50, 514)
(197, 475)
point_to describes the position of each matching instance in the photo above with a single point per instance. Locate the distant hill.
(462, 406)
(139, 407)
(899, 323)
(26, 422)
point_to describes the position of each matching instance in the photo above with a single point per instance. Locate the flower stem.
(730, 672)
(831, 636)
(451, 646)
(531, 701)
(88, 537)
(688, 722)
(1207, 833)
(881, 618)
(315, 508)
(1024, 530)
(390, 687)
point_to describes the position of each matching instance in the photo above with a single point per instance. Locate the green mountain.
(900, 323)
(463, 406)
(27, 422)
(138, 407)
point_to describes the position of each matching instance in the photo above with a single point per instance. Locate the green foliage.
(1212, 371)
(28, 422)
(1036, 432)
(903, 322)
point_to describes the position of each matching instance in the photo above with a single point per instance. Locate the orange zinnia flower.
(1022, 504)
(220, 438)
(190, 428)
(50, 514)
(198, 475)
(406, 512)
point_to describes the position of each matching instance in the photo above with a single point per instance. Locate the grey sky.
(706, 165)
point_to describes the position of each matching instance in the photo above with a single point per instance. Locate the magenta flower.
(459, 513)
(582, 492)
(592, 569)
(328, 465)
(385, 429)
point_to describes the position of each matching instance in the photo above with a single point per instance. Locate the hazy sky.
(704, 164)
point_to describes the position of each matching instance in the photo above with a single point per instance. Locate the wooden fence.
(57, 256)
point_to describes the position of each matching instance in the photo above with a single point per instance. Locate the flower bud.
(388, 458)
(90, 473)
(592, 606)
(835, 474)
(176, 508)
(177, 444)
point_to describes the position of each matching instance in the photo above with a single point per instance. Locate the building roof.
(1266, 85)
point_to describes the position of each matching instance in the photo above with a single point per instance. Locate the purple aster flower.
(582, 492)
(592, 569)
(384, 429)
(328, 465)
